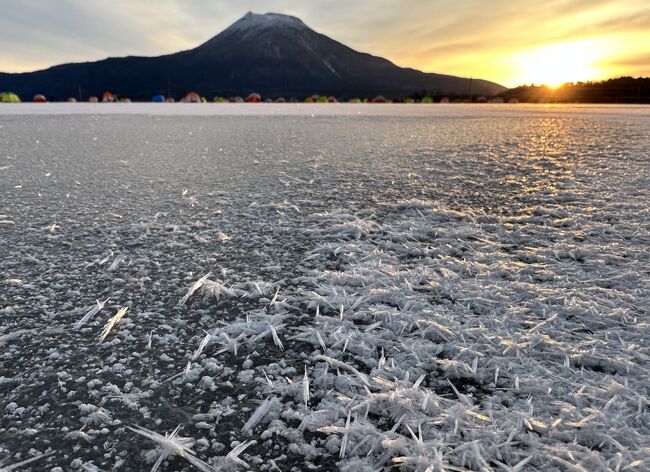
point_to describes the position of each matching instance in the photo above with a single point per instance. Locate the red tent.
(191, 97)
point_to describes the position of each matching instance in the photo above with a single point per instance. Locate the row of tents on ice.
(194, 97)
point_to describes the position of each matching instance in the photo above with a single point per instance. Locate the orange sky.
(510, 42)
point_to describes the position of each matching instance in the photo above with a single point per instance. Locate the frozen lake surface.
(341, 287)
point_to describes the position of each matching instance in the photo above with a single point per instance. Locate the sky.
(509, 42)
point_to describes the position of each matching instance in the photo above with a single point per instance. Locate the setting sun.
(559, 63)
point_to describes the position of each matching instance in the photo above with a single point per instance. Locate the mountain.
(272, 54)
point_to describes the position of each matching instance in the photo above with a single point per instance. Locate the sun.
(557, 64)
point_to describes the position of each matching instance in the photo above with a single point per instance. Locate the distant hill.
(620, 90)
(272, 54)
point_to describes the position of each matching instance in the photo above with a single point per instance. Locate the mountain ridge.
(272, 53)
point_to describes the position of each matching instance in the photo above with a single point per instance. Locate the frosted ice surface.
(388, 287)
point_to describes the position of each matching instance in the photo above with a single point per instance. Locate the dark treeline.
(620, 90)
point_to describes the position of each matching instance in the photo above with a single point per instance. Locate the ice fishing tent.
(93, 99)
(254, 98)
(332, 100)
(158, 99)
(191, 97)
(379, 99)
(9, 97)
(39, 98)
(108, 97)
(72, 100)
(280, 100)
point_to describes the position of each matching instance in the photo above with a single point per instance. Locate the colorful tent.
(9, 97)
(191, 97)
(158, 99)
(108, 97)
(332, 100)
(39, 98)
(379, 99)
(254, 98)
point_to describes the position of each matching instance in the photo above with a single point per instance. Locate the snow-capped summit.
(257, 20)
(256, 24)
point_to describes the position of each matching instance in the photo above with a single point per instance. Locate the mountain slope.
(273, 54)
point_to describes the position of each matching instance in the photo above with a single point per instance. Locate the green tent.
(8, 97)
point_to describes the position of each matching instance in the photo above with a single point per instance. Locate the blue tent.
(158, 98)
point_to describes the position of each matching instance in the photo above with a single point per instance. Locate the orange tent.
(108, 97)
